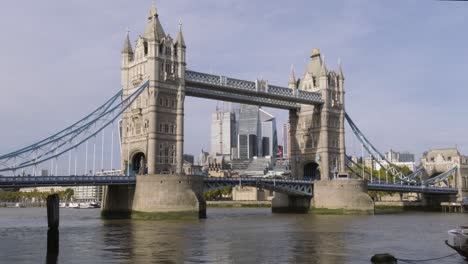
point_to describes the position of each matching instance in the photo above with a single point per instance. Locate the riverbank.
(226, 204)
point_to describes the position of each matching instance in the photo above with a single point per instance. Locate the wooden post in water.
(53, 215)
(53, 218)
(383, 259)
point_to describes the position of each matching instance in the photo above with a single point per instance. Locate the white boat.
(73, 205)
(458, 240)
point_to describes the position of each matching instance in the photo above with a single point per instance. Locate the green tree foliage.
(35, 196)
(218, 194)
(376, 175)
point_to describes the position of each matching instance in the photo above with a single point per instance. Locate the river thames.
(228, 235)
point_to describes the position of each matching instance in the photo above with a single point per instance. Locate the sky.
(404, 62)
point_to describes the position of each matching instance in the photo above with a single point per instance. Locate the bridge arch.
(138, 163)
(311, 170)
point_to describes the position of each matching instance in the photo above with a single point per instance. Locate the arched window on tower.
(145, 47)
(172, 159)
(161, 48)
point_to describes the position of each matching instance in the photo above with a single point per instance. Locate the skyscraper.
(249, 130)
(257, 135)
(223, 132)
(268, 133)
(286, 140)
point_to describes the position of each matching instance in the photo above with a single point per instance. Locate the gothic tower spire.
(154, 30)
(292, 79)
(127, 47)
(180, 37)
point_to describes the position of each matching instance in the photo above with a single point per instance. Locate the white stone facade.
(152, 128)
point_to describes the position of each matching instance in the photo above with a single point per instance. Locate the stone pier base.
(342, 195)
(117, 201)
(283, 203)
(156, 197)
(169, 197)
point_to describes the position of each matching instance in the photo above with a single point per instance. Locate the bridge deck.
(299, 187)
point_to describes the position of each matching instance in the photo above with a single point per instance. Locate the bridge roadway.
(293, 187)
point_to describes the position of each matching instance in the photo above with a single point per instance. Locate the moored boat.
(458, 240)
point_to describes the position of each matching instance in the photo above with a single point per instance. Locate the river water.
(228, 235)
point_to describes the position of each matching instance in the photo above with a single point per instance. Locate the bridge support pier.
(169, 197)
(117, 201)
(345, 195)
(156, 197)
(283, 203)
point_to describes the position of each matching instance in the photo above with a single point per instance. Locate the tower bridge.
(150, 123)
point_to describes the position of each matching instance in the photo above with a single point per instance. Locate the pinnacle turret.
(180, 37)
(127, 47)
(323, 68)
(292, 79)
(340, 70)
(154, 30)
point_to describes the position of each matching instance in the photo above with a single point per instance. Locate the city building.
(223, 133)
(286, 140)
(401, 159)
(191, 169)
(394, 156)
(189, 158)
(257, 135)
(437, 161)
(269, 136)
(249, 130)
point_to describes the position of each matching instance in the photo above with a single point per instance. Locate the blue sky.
(405, 62)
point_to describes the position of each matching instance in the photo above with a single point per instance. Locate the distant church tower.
(316, 133)
(152, 127)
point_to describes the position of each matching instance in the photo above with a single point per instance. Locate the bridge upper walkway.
(294, 187)
(218, 87)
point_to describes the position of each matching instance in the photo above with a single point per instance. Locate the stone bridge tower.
(152, 128)
(317, 136)
(152, 131)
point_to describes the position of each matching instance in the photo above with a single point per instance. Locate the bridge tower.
(317, 145)
(152, 130)
(317, 132)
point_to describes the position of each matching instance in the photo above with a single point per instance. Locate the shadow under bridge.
(289, 187)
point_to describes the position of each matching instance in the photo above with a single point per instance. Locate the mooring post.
(383, 259)
(53, 217)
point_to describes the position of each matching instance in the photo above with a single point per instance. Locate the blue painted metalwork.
(54, 147)
(411, 188)
(291, 187)
(67, 131)
(22, 182)
(441, 177)
(260, 93)
(376, 155)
